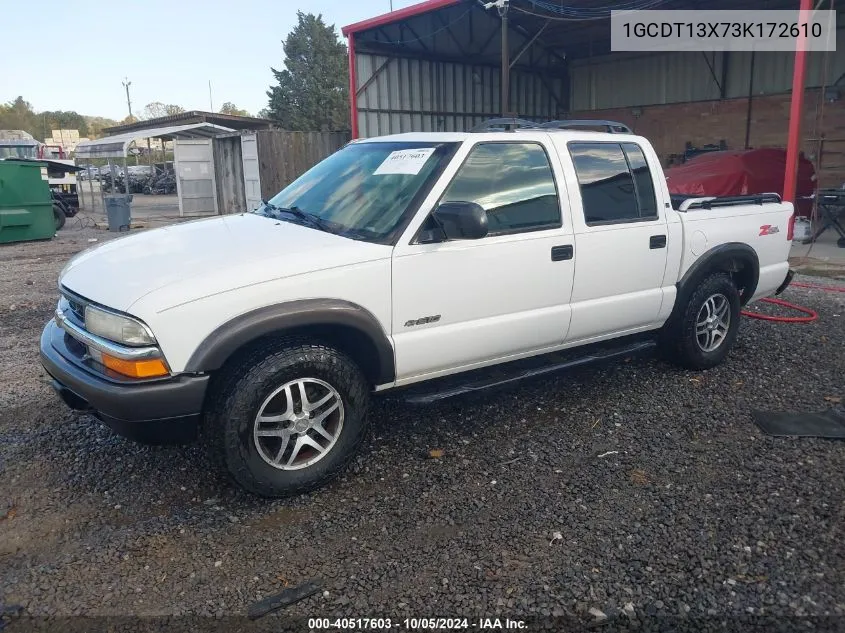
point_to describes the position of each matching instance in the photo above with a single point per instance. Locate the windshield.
(362, 191)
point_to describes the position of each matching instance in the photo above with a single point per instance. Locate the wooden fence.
(284, 156)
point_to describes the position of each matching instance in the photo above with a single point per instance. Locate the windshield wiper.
(309, 219)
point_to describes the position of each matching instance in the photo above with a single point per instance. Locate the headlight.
(117, 328)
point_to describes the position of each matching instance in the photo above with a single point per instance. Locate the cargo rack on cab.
(504, 124)
(509, 124)
(686, 203)
(614, 127)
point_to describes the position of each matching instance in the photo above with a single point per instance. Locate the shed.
(231, 121)
(192, 157)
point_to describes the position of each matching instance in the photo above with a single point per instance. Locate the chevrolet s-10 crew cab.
(412, 258)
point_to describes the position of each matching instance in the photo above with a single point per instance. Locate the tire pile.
(159, 183)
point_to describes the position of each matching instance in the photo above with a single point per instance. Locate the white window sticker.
(404, 161)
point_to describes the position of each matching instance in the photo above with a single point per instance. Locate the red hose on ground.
(817, 287)
(812, 315)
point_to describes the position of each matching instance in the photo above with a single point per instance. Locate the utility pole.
(210, 102)
(503, 6)
(126, 83)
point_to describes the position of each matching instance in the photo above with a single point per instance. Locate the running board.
(508, 373)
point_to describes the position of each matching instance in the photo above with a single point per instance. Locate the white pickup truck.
(399, 260)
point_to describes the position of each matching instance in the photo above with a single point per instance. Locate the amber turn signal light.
(147, 368)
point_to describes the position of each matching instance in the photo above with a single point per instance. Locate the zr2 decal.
(768, 229)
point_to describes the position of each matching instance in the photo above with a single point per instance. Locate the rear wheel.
(58, 216)
(288, 417)
(702, 334)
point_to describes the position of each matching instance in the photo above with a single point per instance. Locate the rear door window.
(615, 182)
(643, 182)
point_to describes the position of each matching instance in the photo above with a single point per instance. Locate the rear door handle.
(560, 253)
(657, 241)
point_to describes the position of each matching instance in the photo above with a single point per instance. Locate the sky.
(168, 49)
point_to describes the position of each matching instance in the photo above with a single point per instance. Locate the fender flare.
(722, 257)
(218, 346)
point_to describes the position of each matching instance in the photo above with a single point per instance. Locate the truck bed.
(710, 202)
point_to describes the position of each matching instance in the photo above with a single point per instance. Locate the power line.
(580, 14)
(433, 33)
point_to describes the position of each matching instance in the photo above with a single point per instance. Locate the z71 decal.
(768, 229)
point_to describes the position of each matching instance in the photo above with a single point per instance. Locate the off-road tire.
(241, 387)
(678, 339)
(59, 216)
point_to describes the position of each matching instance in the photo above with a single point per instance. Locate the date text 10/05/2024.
(410, 624)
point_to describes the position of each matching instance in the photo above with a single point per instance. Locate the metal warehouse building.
(439, 65)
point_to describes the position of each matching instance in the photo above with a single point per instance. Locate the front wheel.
(703, 332)
(288, 417)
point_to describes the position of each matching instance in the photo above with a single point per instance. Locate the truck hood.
(204, 257)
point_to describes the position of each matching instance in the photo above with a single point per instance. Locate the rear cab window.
(615, 181)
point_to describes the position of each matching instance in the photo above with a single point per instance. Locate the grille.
(76, 307)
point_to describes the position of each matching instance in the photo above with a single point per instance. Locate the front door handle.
(657, 241)
(560, 253)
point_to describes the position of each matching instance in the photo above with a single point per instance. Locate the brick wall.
(668, 127)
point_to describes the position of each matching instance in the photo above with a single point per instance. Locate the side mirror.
(462, 220)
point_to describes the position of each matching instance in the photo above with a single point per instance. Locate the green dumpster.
(26, 208)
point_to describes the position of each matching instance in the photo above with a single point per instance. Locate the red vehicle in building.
(741, 173)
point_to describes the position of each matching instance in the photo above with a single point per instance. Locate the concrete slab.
(823, 257)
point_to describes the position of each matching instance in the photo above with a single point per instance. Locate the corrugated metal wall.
(641, 79)
(626, 79)
(418, 95)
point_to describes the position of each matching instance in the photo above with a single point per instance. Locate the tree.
(65, 120)
(96, 124)
(231, 108)
(158, 109)
(312, 90)
(264, 113)
(19, 115)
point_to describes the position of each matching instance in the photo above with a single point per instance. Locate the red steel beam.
(796, 109)
(395, 16)
(353, 86)
(380, 20)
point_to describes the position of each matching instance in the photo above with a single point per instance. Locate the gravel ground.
(631, 487)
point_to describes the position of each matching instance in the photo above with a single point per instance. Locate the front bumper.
(164, 410)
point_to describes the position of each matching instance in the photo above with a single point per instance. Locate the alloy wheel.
(298, 424)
